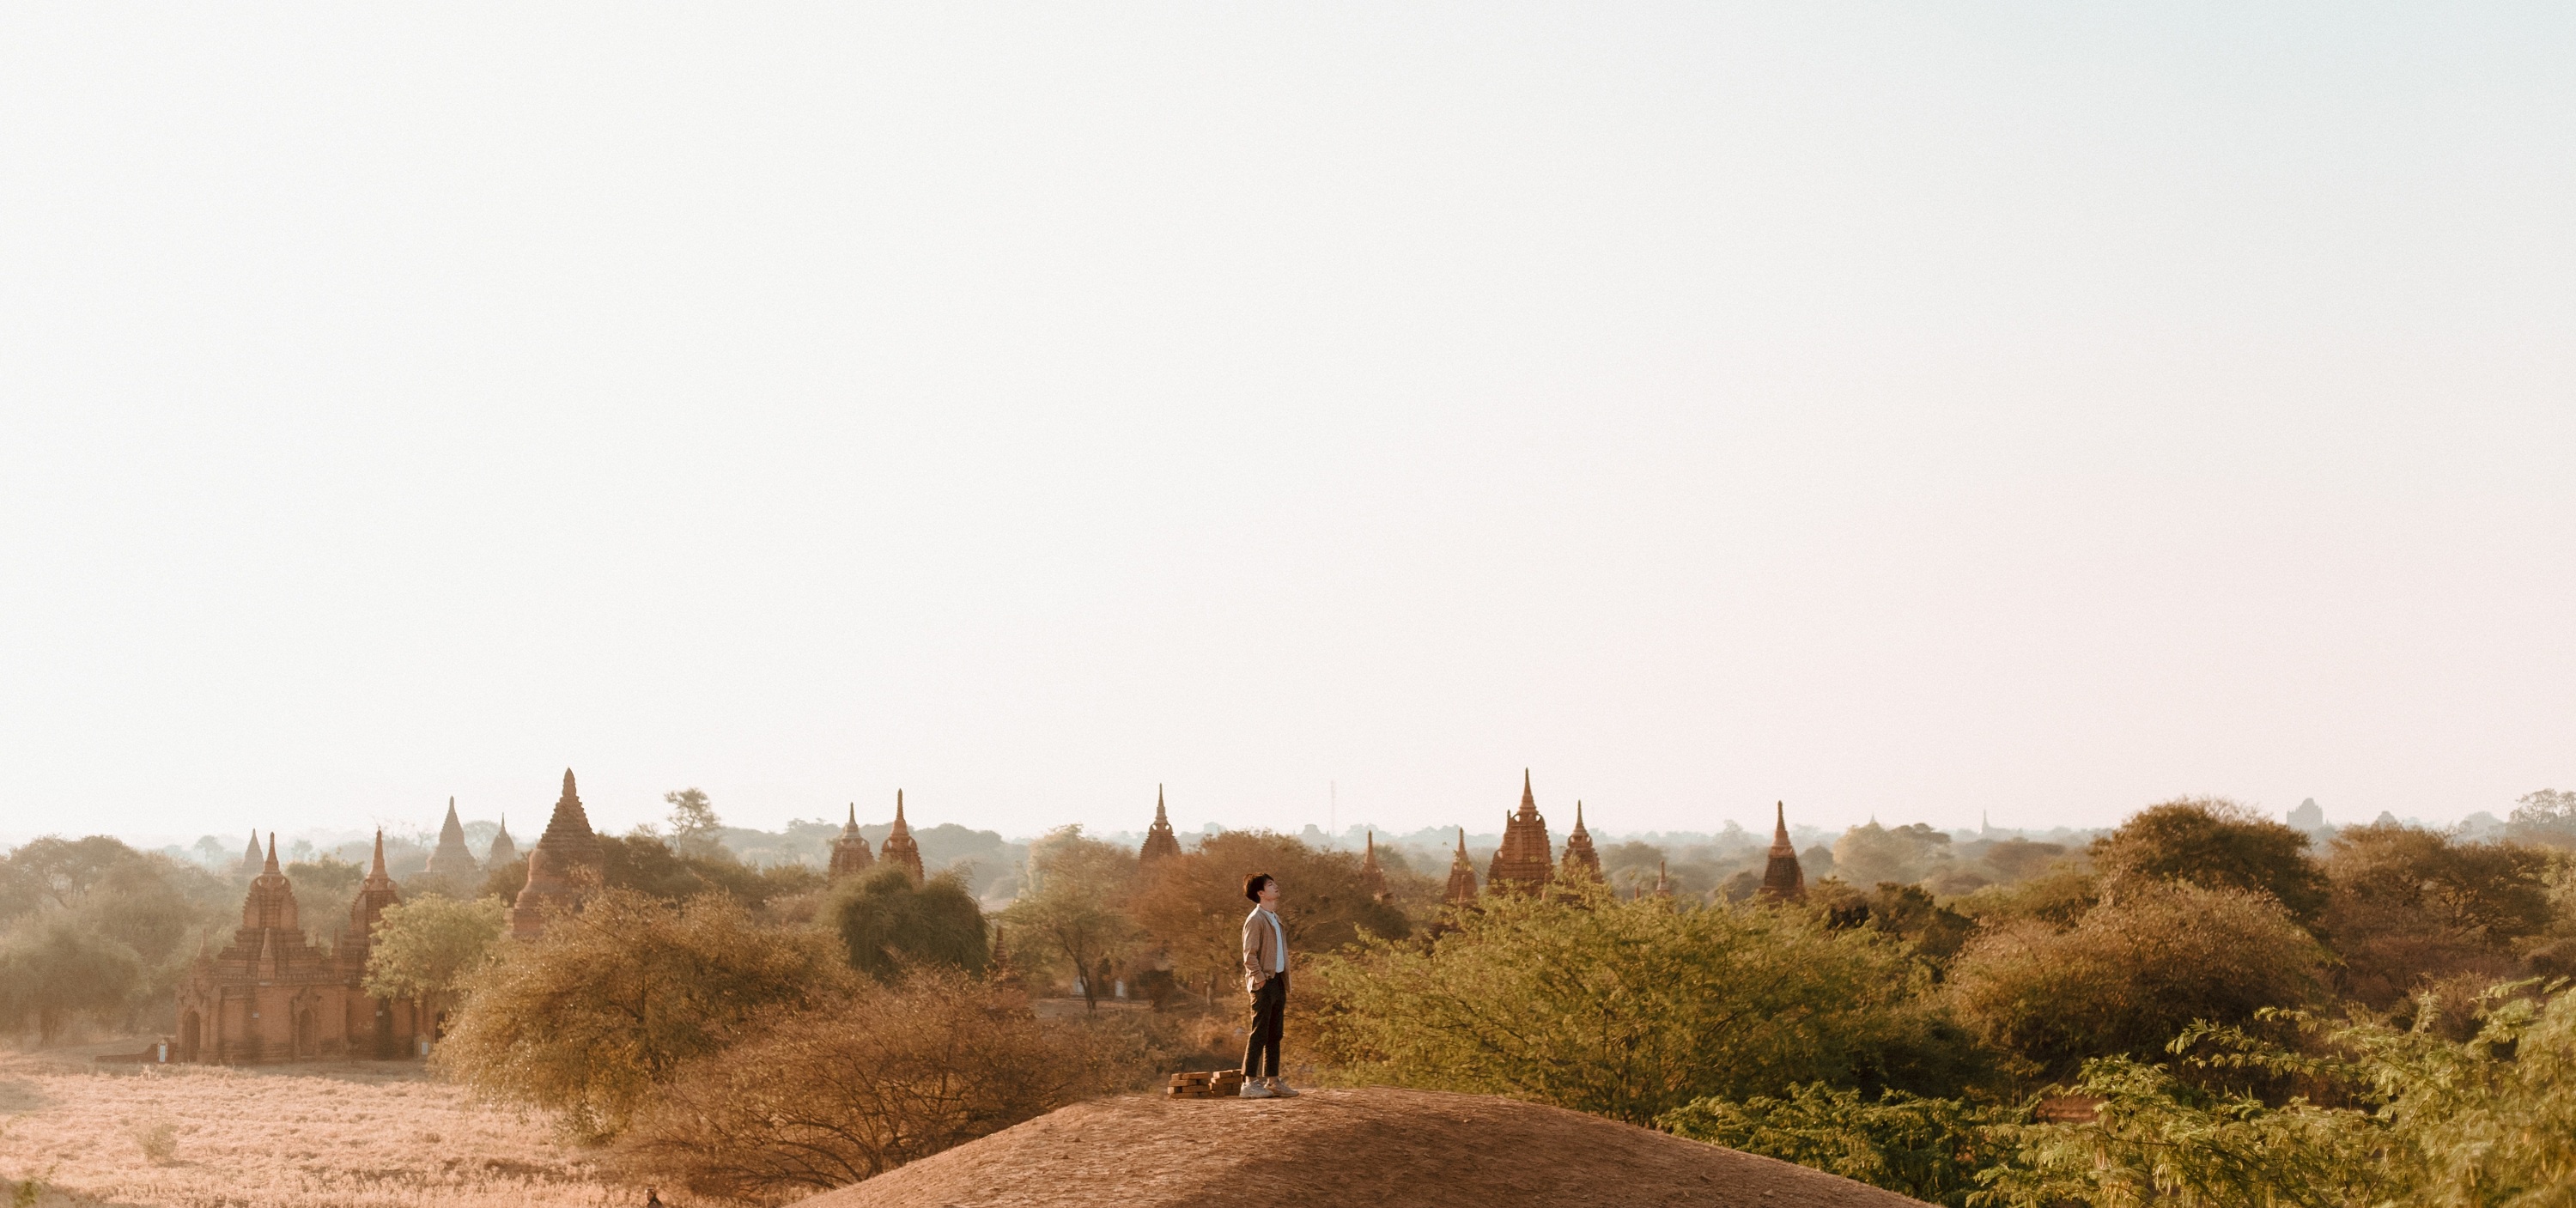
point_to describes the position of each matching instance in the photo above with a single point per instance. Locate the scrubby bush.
(2215, 844)
(825, 1097)
(2412, 909)
(2131, 973)
(616, 997)
(1629, 1009)
(888, 924)
(53, 970)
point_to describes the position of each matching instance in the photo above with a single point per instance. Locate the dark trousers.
(1269, 1012)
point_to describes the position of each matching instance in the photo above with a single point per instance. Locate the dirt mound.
(1345, 1149)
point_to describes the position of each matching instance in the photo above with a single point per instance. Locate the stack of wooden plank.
(1214, 1084)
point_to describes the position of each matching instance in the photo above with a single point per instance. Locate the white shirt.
(1282, 937)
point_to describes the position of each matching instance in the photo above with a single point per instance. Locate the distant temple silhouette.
(850, 851)
(899, 848)
(451, 861)
(503, 852)
(1782, 880)
(1372, 874)
(1462, 875)
(1580, 859)
(1526, 860)
(1160, 842)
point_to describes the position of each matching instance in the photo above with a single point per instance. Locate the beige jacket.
(1263, 953)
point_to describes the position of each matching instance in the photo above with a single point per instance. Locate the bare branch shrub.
(829, 1097)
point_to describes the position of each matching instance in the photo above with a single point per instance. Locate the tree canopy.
(889, 925)
(615, 997)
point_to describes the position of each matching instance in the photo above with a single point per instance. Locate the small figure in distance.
(652, 1198)
(1265, 977)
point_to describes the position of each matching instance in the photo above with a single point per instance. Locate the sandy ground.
(339, 1134)
(1345, 1148)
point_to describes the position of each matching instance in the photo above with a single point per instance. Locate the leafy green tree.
(590, 1019)
(2131, 973)
(2215, 844)
(1930, 1149)
(425, 949)
(53, 970)
(1077, 911)
(889, 925)
(1623, 1008)
(2400, 1116)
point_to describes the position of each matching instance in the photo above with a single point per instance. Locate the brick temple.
(273, 995)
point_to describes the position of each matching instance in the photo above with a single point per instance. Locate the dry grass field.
(337, 1134)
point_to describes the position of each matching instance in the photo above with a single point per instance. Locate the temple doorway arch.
(189, 1026)
(304, 1032)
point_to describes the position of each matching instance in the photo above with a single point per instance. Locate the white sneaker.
(1279, 1089)
(1254, 1088)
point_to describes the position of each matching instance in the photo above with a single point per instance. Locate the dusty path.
(1345, 1149)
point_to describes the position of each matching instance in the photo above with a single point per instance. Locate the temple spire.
(271, 869)
(1159, 839)
(900, 848)
(1372, 877)
(1782, 879)
(379, 869)
(1462, 875)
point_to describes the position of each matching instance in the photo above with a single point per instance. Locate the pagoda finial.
(379, 869)
(1159, 816)
(568, 783)
(1780, 823)
(1528, 801)
(898, 811)
(851, 827)
(1462, 843)
(272, 854)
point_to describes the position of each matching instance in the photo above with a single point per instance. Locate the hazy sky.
(1911, 410)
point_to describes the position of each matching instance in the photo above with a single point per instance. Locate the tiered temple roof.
(1372, 875)
(1159, 839)
(451, 861)
(1782, 880)
(899, 848)
(850, 851)
(1526, 860)
(1462, 874)
(1580, 859)
(565, 865)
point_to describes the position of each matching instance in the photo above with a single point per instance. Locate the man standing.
(1265, 977)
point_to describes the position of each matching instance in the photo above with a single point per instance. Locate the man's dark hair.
(1252, 885)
